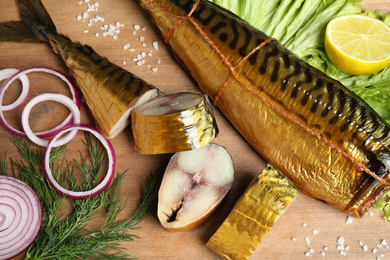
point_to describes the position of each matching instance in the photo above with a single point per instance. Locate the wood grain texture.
(155, 242)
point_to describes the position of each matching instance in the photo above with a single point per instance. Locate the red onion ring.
(50, 132)
(102, 185)
(7, 73)
(20, 216)
(52, 97)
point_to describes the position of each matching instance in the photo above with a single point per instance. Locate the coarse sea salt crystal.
(136, 27)
(315, 232)
(323, 254)
(155, 69)
(384, 242)
(294, 239)
(374, 250)
(155, 45)
(349, 220)
(340, 247)
(340, 241)
(365, 247)
(343, 253)
(126, 46)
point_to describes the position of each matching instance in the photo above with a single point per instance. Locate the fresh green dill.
(65, 235)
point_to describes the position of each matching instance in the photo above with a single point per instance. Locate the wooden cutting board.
(294, 234)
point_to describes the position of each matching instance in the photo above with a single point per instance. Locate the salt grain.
(126, 46)
(326, 248)
(384, 242)
(154, 69)
(340, 241)
(323, 254)
(374, 251)
(343, 253)
(294, 239)
(349, 220)
(136, 27)
(307, 239)
(315, 232)
(155, 45)
(340, 247)
(365, 247)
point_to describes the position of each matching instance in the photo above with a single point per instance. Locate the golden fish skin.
(264, 201)
(110, 91)
(173, 123)
(325, 139)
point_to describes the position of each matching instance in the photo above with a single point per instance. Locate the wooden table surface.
(288, 239)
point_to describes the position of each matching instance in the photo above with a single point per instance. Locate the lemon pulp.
(358, 44)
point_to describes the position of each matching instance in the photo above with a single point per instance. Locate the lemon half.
(358, 44)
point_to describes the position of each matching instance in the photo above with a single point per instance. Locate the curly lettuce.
(300, 26)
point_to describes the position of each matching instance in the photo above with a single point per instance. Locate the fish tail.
(34, 24)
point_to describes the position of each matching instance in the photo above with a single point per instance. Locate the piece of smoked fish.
(110, 91)
(324, 138)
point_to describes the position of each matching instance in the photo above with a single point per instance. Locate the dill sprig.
(65, 235)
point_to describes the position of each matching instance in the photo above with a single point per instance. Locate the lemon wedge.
(358, 44)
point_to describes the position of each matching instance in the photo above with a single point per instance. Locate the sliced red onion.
(52, 97)
(7, 73)
(20, 216)
(102, 185)
(50, 132)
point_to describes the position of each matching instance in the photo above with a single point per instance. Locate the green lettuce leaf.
(300, 26)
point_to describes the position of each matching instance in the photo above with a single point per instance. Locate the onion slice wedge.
(7, 73)
(52, 97)
(63, 77)
(102, 185)
(20, 216)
